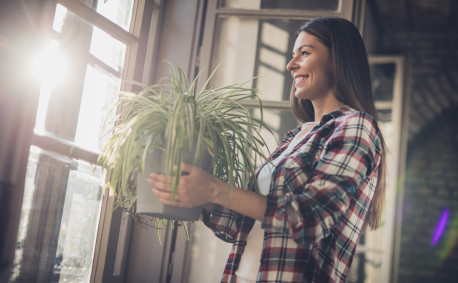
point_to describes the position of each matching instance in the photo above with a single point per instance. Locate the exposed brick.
(431, 54)
(431, 186)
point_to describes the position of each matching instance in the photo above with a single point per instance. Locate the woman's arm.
(200, 188)
(315, 194)
(245, 202)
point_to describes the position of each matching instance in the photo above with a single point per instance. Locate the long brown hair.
(352, 86)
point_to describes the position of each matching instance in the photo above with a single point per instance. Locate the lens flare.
(49, 66)
(440, 227)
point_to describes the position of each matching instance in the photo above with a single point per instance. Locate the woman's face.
(310, 68)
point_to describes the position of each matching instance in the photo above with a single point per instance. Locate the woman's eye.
(304, 53)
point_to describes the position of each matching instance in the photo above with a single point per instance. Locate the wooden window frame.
(345, 10)
(112, 231)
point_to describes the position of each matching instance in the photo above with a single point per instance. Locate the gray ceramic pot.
(149, 204)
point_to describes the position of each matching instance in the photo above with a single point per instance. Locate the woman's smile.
(300, 79)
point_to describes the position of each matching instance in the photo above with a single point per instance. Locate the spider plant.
(176, 118)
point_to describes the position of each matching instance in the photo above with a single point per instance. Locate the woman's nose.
(291, 65)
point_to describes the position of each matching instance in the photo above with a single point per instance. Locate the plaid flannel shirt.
(317, 203)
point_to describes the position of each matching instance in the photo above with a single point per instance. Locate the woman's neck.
(325, 106)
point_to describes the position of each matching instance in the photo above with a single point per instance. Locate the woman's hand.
(199, 187)
(196, 188)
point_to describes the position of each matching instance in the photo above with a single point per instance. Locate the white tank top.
(251, 257)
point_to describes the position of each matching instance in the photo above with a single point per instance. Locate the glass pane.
(383, 80)
(262, 46)
(100, 92)
(107, 49)
(59, 218)
(310, 5)
(59, 18)
(75, 109)
(280, 122)
(117, 11)
(384, 115)
(99, 43)
(365, 268)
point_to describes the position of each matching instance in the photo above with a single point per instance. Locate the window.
(373, 257)
(95, 45)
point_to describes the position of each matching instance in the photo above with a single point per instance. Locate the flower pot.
(148, 203)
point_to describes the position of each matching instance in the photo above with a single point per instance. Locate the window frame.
(395, 171)
(140, 48)
(214, 10)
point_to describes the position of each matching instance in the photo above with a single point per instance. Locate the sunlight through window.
(49, 65)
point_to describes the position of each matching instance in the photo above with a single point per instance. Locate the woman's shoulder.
(350, 116)
(356, 123)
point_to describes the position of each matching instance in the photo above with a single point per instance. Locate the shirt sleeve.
(224, 223)
(312, 196)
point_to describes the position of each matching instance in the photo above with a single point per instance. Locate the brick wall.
(431, 187)
(432, 165)
(433, 66)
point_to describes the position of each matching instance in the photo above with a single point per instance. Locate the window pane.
(280, 122)
(365, 268)
(384, 115)
(103, 46)
(76, 108)
(310, 5)
(107, 49)
(59, 219)
(262, 46)
(119, 11)
(100, 92)
(59, 18)
(383, 80)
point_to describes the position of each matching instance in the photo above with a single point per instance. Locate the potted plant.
(170, 122)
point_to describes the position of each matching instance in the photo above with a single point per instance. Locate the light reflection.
(49, 68)
(440, 227)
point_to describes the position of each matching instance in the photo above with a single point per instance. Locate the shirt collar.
(326, 118)
(336, 113)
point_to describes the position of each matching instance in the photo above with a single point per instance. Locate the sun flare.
(49, 65)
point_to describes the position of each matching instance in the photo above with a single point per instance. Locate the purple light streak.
(440, 227)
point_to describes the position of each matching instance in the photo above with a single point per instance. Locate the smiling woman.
(322, 185)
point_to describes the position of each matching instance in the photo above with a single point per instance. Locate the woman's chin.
(300, 95)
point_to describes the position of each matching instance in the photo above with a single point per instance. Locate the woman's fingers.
(162, 188)
(193, 189)
(166, 196)
(159, 181)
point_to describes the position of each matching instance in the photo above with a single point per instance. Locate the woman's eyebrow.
(302, 46)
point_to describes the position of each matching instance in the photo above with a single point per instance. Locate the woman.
(325, 181)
